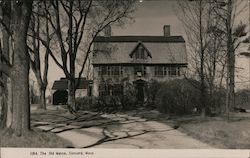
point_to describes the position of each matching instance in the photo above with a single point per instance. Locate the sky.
(149, 18)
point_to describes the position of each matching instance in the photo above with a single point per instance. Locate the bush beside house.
(151, 90)
(178, 97)
(242, 99)
(110, 104)
(174, 97)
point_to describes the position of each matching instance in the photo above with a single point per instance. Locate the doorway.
(140, 84)
(60, 97)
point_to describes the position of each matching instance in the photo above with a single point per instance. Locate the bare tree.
(215, 63)
(35, 50)
(213, 39)
(196, 18)
(76, 24)
(227, 12)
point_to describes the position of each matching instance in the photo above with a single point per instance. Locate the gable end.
(140, 45)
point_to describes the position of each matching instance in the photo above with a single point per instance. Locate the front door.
(139, 84)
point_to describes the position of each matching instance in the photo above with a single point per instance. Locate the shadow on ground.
(134, 129)
(103, 127)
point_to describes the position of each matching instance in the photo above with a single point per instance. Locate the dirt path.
(113, 131)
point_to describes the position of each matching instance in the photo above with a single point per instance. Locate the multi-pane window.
(110, 70)
(161, 71)
(140, 53)
(103, 91)
(110, 90)
(140, 70)
(167, 71)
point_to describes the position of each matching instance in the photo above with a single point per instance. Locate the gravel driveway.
(113, 131)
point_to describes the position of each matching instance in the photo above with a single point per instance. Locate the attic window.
(140, 52)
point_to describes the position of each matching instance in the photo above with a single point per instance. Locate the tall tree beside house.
(19, 69)
(213, 41)
(196, 27)
(4, 59)
(234, 36)
(215, 65)
(38, 59)
(215, 61)
(76, 24)
(233, 42)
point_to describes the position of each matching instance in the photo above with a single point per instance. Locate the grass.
(218, 131)
(34, 139)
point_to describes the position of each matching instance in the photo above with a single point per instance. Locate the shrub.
(128, 99)
(84, 103)
(151, 91)
(217, 101)
(178, 97)
(107, 104)
(110, 104)
(242, 98)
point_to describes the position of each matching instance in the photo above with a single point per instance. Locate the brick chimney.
(166, 30)
(107, 31)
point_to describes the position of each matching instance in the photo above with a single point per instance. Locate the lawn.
(218, 131)
(34, 139)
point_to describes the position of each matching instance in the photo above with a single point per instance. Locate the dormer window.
(140, 52)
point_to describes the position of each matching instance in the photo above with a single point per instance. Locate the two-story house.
(136, 59)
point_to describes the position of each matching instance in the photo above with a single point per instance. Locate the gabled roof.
(174, 39)
(136, 48)
(162, 53)
(163, 49)
(62, 84)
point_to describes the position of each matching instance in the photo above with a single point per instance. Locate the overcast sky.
(149, 19)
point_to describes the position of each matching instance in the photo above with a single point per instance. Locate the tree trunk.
(9, 103)
(20, 87)
(42, 99)
(71, 80)
(203, 100)
(230, 61)
(6, 111)
(3, 104)
(20, 70)
(6, 13)
(71, 96)
(232, 79)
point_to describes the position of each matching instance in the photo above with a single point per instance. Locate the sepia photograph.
(124, 74)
